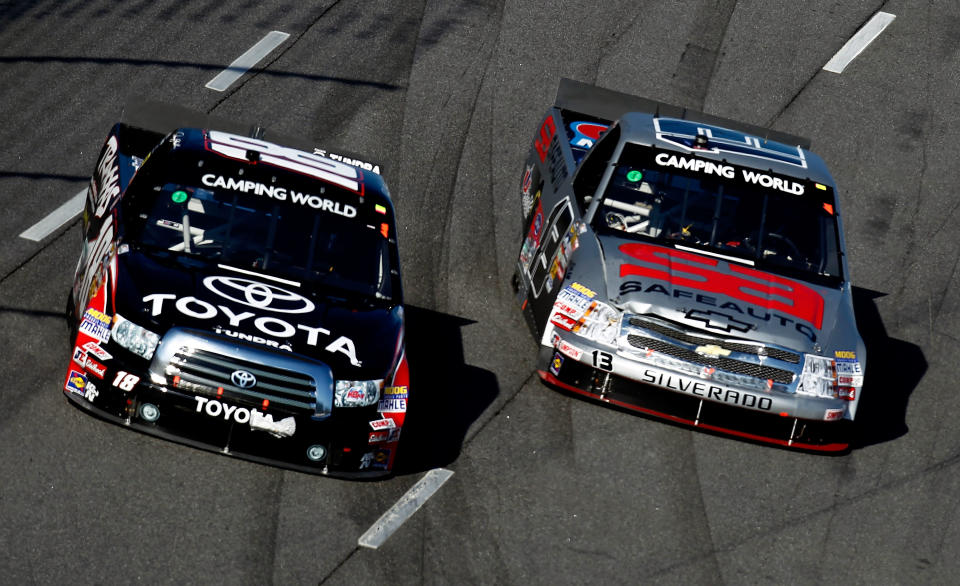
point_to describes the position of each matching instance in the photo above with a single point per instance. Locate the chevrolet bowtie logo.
(712, 350)
(718, 321)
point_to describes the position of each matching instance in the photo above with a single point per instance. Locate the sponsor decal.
(79, 355)
(848, 368)
(848, 393)
(314, 165)
(706, 391)
(532, 241)
(261, 296)
(750, 312)
(850, 381)
(393, 400)
(95, 368)
(583, 289)
(572, 303)
(527, 182)
(377, 459)
(263, 421)
(569, 349)
(90, 392)
(97, 250)
(96, 324)
(585, 134)
(683, 133)
(833, 414)
(381, 424)
(258, 295)
(716, 320)
(279, 193)
(76, 382)
(542, 143)
(748, 285)
(542, 271)
(845, 355)
(95, 349)
(390, 435)
(556, 363)
(106, 188)
(342, 159)
(255, 339)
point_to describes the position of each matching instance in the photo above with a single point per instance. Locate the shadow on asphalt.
(446, 395)
(894, 369)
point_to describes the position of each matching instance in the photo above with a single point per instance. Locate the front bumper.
(350, 446)
(775, 418)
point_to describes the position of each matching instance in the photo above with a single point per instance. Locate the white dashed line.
(56, 218)
(859, 42)
(244, 62)
(404, 508)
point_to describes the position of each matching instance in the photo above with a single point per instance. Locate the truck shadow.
(894, 369)
(446, 395)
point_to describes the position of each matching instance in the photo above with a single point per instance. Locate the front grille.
(207, 372)
(202, 363)
(683, 336)
(723, 363)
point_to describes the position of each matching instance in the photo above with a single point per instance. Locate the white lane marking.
(859, 42)
(56, 218)
(244, 62)
(404, 508)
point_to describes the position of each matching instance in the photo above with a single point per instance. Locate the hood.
(718, 296)
(159, 292)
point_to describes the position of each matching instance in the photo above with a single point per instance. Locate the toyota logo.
(243, 379)
(258, 295)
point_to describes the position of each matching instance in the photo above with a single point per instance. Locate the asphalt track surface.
(547, 488)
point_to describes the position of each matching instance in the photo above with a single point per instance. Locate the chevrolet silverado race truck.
(688, 267)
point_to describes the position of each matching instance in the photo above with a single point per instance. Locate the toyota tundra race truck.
(688, 267)
(240, 293)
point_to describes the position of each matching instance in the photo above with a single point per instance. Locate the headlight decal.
(356, 393)
(134, 338)
(576, 312)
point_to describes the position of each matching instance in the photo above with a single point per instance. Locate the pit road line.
(859, 41)
(244, 62)
(56, 218)
(404, 508)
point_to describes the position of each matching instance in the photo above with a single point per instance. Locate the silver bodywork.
(663, 314)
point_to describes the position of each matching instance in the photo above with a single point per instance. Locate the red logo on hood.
(763, 289)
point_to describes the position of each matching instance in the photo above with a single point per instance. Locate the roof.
(724, 144)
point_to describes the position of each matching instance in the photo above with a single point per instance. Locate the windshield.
(675, 199)
(322, 236)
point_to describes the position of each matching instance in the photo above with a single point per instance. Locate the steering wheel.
(783, 244)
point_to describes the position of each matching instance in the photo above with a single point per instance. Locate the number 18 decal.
(125, 381)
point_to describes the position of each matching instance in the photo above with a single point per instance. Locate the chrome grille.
(202, 363)
(213, 371)
(683, 336)
(759, 371)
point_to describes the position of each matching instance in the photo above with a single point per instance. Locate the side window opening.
(591, 171)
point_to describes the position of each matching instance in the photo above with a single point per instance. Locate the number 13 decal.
(602, 360)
